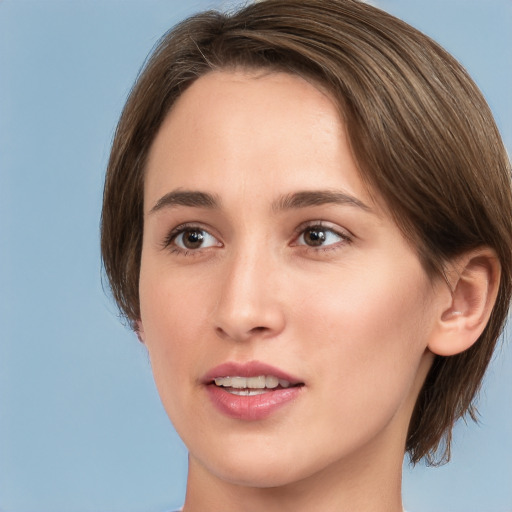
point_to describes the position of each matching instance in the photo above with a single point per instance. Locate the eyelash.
(344, 235)
(169, 241)
(346, 238)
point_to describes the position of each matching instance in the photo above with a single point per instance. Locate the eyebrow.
(309, 198)
(186, 198)
(296, 200)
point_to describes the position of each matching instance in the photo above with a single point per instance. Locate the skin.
(352, 318)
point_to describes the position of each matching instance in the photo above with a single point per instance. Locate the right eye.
(191, 238)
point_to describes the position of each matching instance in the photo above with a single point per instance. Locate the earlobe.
(474, 280)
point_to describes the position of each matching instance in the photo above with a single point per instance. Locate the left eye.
(316, 236)
(194, 238)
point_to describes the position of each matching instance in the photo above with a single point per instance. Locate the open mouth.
(251, 391)
(252, 386)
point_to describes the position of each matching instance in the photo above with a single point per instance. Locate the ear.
(139, 331)
(473, 279)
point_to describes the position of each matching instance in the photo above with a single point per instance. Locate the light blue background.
(81, 425)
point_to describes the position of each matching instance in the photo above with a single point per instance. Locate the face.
(285, 315)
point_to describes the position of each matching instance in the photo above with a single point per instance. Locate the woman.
(307, 222)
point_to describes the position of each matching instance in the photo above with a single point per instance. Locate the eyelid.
(326, 225)
(176, 231)
(343, 233)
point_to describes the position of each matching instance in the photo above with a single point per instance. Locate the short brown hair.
(420, 130)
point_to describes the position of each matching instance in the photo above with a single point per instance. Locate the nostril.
(239, 335)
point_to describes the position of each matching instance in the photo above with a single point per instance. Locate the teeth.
(256, 382)
(271, 381)
(246, 392)
(249, 383)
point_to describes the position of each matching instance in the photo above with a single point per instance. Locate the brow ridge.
(296, 200)
(308, 198)
(190, 198)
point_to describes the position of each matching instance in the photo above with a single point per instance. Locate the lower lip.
(251, 408)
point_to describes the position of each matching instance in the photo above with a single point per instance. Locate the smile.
(251, 391)
(251, 386)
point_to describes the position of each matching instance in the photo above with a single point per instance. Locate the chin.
(254, 468)
(261, 476)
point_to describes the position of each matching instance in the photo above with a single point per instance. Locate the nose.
(250, 300)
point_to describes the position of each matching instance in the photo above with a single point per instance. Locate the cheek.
(369, 334)
(369, 310)
(172, 304)
(173, 319)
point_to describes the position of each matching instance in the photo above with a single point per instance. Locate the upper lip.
(249, 369)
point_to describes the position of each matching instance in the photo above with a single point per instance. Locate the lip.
(256, 407)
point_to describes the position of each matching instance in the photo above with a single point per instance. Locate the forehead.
(252, 132)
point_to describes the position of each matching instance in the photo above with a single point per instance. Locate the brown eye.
(314, 236)
(194, 238)
(320, 236)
